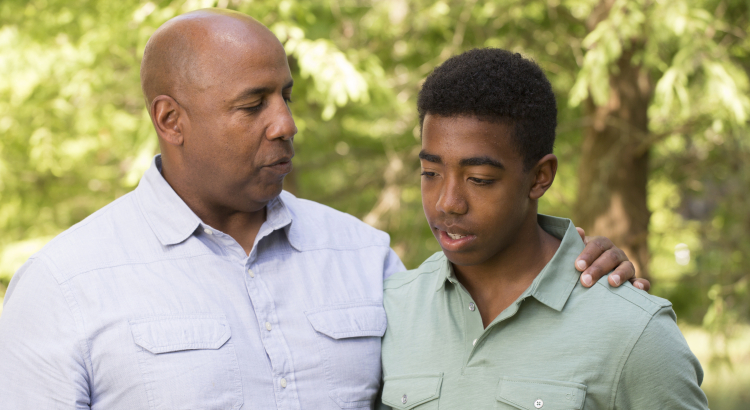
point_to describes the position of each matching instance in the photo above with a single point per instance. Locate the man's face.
(475, 192)
(239, 141)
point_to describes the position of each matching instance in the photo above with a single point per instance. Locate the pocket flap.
(174, 333)
(349, 320)
(406, 392)
(533, 394)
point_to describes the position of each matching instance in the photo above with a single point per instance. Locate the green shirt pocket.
(412, 391)
(532, 394)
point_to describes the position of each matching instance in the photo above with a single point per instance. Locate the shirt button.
(474, 343)
(403, 399)
(283, 383)
(250, 272)
(268, 326)
(208, 231)
(472, 306)
(538, 403)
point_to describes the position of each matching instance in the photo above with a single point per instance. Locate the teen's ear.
(168, 116)
(543, 174)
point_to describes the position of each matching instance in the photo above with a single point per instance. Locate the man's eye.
(427, 174)
(253, 108)
(480, 181)
(288, 99)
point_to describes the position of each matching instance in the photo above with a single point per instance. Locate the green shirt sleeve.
(661, 371)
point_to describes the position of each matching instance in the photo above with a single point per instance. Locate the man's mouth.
(281, 166)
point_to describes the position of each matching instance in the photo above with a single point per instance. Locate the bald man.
(208, 287)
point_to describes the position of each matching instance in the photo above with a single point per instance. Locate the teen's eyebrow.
(475, 161)
(429, 157)
(251, 92)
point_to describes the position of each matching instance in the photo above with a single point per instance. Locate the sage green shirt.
(558, 346)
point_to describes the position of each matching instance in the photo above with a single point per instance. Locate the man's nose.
(452, 197)
(282, 124)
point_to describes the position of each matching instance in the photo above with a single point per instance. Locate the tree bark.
(614, 166)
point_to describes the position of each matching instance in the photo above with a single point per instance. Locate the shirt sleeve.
(40, 347)
(392, 264)
(661, 371)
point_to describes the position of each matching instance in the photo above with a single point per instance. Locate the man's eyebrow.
(429, 157)
(475, 161)
(252, 92)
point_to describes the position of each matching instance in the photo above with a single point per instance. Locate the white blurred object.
(682, 254)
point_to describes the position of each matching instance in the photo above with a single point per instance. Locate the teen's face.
(475, 192)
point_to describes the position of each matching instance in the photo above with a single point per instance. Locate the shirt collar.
(556, 281)
(172, 221)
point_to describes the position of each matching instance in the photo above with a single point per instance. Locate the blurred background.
(653, 135)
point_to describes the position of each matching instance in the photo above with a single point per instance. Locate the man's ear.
(543, 174)
(168, 117)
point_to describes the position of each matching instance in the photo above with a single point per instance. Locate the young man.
(497, 320)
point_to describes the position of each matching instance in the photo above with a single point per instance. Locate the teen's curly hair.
(495, 85)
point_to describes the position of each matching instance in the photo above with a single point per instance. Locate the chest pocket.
(419, 392)
(532, 394)
(349, 344)
(188, 362)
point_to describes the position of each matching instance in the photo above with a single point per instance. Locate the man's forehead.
(239, 56)
(210, 49)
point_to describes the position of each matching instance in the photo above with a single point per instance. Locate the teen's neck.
(497, 283)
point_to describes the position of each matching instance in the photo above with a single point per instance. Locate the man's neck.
(243, 227)
(497, 283)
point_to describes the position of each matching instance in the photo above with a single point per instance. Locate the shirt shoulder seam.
(625, 357)
(655, 307)
(414, 274)
(75, 273)
(83, 343)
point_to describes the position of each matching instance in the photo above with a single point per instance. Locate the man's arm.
(661, 371)
(40, 348)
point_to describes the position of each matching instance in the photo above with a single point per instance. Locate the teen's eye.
(427, 174)
(479, 181)
(288, 99)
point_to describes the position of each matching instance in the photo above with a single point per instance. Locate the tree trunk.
(614, 164)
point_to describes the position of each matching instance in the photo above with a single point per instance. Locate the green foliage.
(75, 134)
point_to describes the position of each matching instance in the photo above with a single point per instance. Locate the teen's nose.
(452, 199)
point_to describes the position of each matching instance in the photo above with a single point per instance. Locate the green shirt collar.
(554, 283)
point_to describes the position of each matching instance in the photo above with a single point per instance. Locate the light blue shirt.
(143, 306)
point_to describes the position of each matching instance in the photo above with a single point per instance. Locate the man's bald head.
(188, 53)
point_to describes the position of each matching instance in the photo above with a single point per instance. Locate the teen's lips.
(453, 238)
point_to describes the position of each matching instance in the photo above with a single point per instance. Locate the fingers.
(640, 283)
(625, 271)
(604, 264)
(594, 248)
